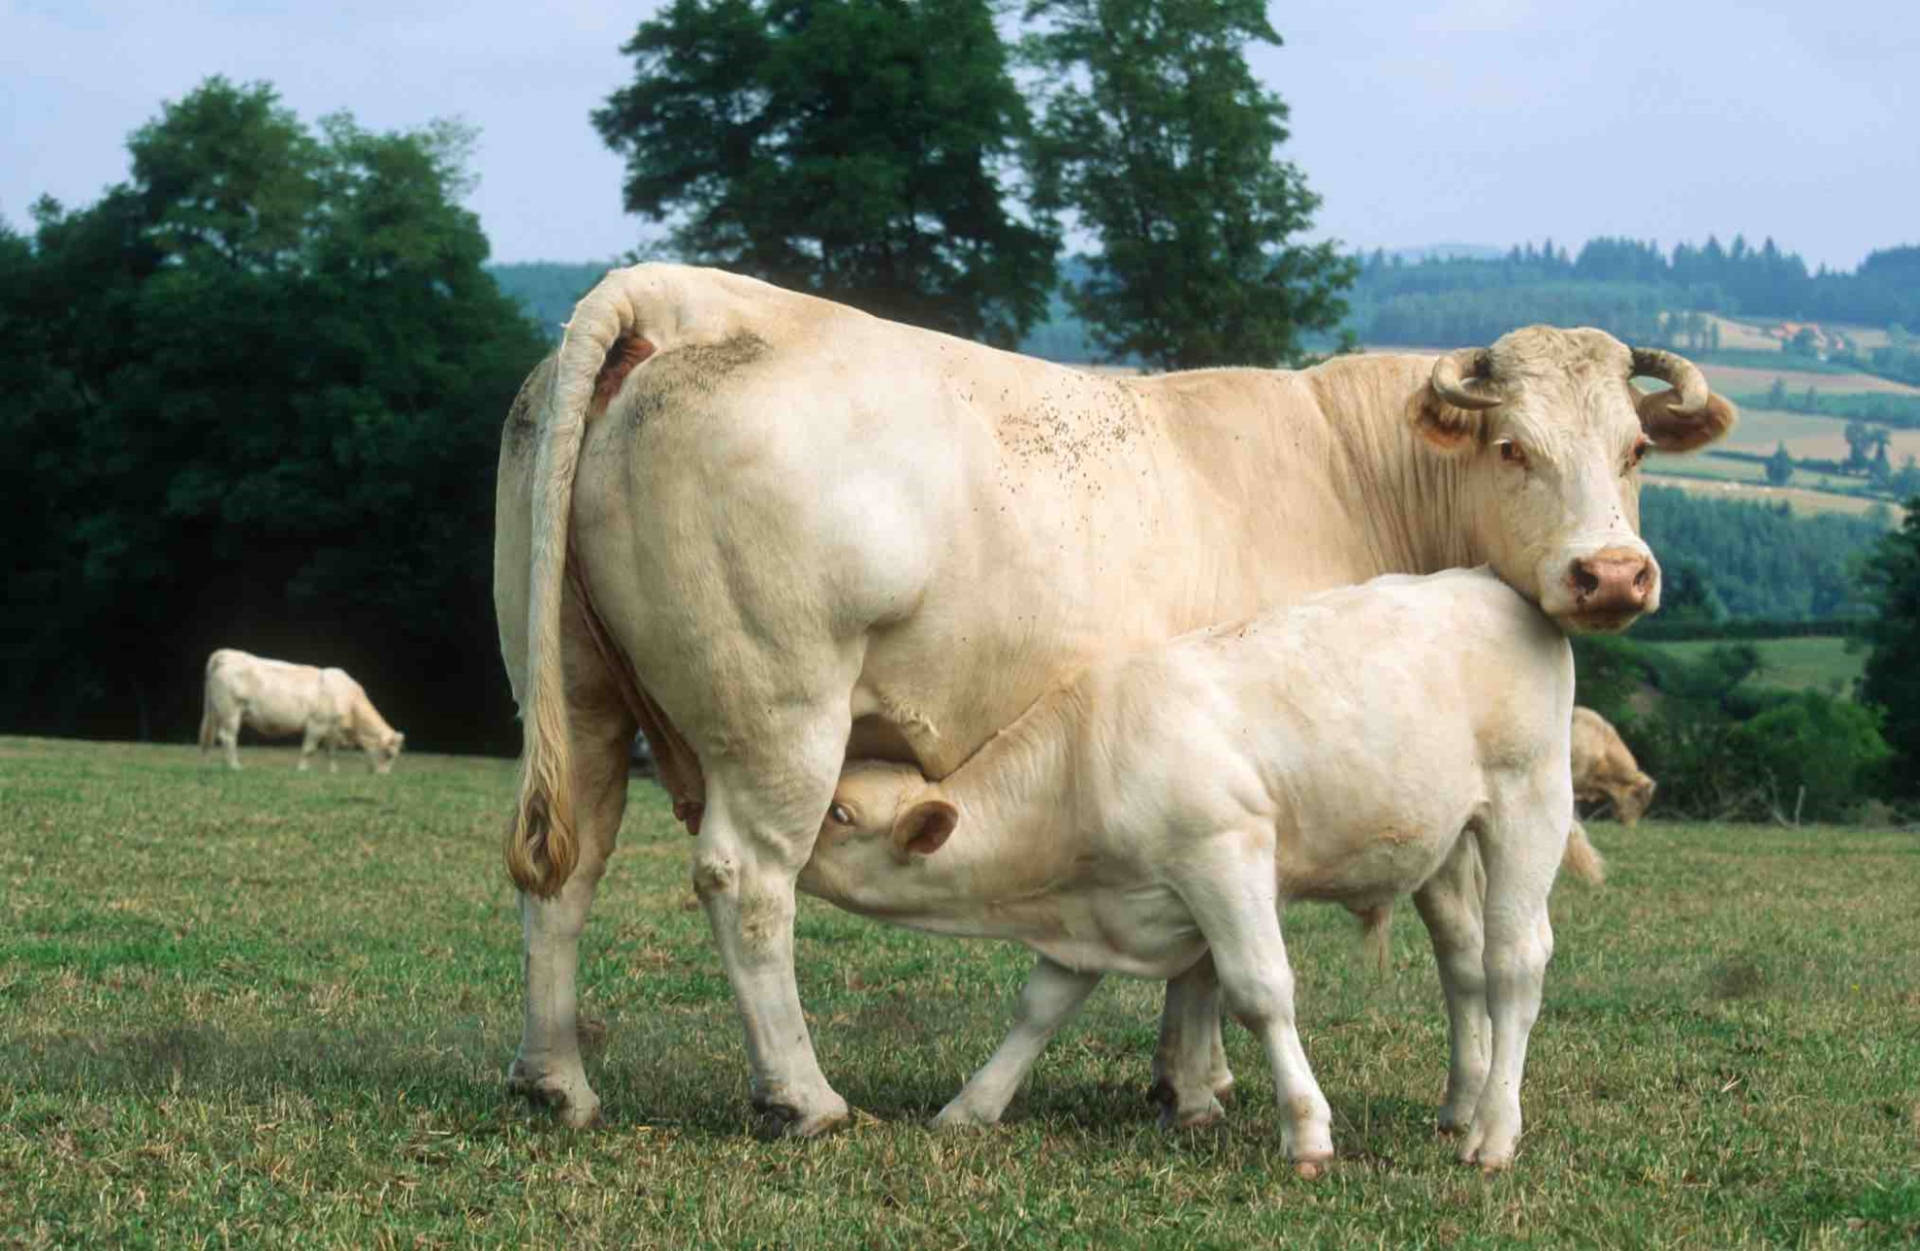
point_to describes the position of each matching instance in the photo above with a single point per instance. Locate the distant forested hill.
(547, 290)
(1759, 560)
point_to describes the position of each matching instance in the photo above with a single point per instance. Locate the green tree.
(1780, 465)
(1890, 580)
(262, 405)
(1160, 143)
(1777, 394)
(857, 149)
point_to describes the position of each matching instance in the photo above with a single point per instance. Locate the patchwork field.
(272, 1009)
(1762, 429)
(1793, 664)
(1702, 476)
(1744, 380)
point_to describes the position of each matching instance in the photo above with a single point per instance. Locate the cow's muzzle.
(1610, 588)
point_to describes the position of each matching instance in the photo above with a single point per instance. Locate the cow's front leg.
(1049, 1000)
(308, 743)
(1190, 1073)
(547, 1068)
(228, 736)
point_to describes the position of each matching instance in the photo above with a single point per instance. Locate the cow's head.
(382, 752)
(1555, 433)
(885, 819)
(1630, 802)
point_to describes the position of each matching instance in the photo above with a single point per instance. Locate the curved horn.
(1464, 379)
(1688, 383)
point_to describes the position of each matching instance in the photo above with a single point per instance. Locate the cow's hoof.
(1198, 1116)
(572, 1104)
(1492, 1153)
(798, 1122)
(1312, 1170)
(958, 1117)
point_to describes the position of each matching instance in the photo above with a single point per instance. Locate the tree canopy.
(1160, 143)
(857, 149)
(257, 389)
(1891, 577)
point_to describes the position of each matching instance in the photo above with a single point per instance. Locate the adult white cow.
(278, 700)
(1408, 736)
(774, 532)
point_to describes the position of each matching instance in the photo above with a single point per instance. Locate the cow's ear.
(1683, 432)
(1445, 427)
(922, 829)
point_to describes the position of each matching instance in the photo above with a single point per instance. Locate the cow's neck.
(1407, 501)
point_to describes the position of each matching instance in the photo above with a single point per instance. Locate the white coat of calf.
(275, 699)
(1368, 743)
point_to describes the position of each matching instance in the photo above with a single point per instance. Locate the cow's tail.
(1581, 859)
(1376, 927)
(606, 337)
(206, 707)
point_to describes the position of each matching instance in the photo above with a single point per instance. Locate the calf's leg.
(1519, 942)
(1190, 1071)
(1232, 892)
(1449, 904)
(1052, 995)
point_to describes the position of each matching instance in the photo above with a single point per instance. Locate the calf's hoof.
(572, 1104)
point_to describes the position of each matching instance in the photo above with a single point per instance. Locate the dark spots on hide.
(516, 437)
(693, 370)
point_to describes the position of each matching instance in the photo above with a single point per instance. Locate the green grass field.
(267, 1008)
(1800, 664)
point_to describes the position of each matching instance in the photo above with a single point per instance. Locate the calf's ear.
(922, 829)
(1673, 431)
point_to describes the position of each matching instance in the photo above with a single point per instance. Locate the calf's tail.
(1581, 859)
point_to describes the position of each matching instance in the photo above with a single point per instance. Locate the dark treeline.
(255, 394)
(1623, 285)
(1757, 560)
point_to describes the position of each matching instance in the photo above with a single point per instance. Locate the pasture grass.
(1791, 664)
(267, 1008)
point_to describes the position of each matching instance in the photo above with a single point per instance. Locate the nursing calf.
(279, 700)
(1398, 737)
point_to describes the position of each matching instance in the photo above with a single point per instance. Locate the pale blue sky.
(1476, 121)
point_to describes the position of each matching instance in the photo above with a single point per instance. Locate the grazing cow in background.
(776, 533)
(1400, 737)
(279, 700)
(1603, 768)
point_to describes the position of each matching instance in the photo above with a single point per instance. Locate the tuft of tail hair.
(1581, 859)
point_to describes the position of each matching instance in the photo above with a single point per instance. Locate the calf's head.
(383, 751)
(885, 818)
(1554, 433)
(1630, 801)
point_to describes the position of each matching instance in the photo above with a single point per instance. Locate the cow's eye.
(1638, 452)
(839, 815)
(1511, 453)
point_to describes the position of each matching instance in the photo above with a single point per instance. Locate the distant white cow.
(1406, 736)
(278, 700)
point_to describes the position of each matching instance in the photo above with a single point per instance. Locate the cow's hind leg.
(1450, 905)
(1049, 1000)
(1190, 1073)
(547, 1068)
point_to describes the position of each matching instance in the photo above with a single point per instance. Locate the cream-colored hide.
(774, 533)
(1372, 742)
(1604, 769)
(279, 700)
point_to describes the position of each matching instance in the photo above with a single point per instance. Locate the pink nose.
(1613, 582)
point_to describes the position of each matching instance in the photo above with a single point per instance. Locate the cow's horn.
(1677, 372)
(1464, 379)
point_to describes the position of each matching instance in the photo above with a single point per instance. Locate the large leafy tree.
(1891, 577)
(1160, 143)
(857, 149)
(257, 394)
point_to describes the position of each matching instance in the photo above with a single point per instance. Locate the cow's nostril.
(1643, 579)
(1585, 580)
